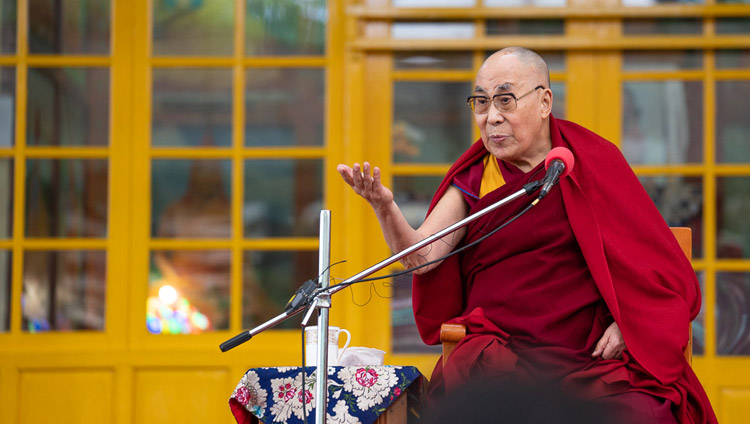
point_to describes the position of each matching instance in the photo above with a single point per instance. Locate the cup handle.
(348, 339)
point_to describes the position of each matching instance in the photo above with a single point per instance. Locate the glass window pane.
(405, 336)
(733, 210)
(5, 276)
(285, 27)
(662, 26)
(188, 291)
(732, 26)
(433, 3)
(193, 28)
(732, 318)
(6, 197)
(662, 60)
(432, 30)
(536, 3)
(269, 281)
(8, 26)
(525, 27)
(191, 198)
(192, 107)
(66, 27)
(63, 290)
(285, 107)
(66, 197)
(7, 106)
(732, 125)
(662, 122)
(283, 197)
(699, 323)
(733, 59)
(680, 201)
(431, 121)
(558, 99)
(658, 2)
(432, 60)
(413, 196)
(68, 107)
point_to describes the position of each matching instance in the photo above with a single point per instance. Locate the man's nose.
(494, 116)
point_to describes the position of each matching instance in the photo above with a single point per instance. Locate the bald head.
(527, 58)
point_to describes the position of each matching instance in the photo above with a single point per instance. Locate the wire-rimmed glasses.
(504, 102)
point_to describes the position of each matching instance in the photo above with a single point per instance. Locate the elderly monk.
(588, 290)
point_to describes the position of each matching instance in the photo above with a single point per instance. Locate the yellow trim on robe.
(492, 177)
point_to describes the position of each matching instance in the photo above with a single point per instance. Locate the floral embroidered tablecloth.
(355, 394)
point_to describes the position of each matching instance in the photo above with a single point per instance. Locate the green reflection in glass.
(525, 27)
(733, 25)
(283, 197)
(732, 125)
(66, 27)
(7, 106)
(190, 198)
(732, 318)
(5, 276)
(285, 107)
(64, 290)
(188, 291)
(6, 197)
(732, 59)
(66, 198)
(68, 107)
(733, 208)
(413, 196)
(192, 107)
(285, 27)
(662, 122)
(8, 26)
(193, 27)
(431, 122)
(663, 26)
(680, 202)
(662, 60)
(269, 280)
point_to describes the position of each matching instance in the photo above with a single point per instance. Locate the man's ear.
(546, 103)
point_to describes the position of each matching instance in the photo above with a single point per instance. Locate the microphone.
(559, 163)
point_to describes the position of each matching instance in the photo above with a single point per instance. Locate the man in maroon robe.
(589, 289)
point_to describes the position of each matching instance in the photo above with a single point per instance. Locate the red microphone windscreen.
(563, 154)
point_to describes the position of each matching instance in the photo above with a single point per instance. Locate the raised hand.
(366, 185)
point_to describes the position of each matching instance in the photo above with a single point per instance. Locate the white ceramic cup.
(334, 353)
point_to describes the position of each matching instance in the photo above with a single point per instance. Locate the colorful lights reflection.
(170, 313)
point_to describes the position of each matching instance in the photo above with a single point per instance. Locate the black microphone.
(559, 163)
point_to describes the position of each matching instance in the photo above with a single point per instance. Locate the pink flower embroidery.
(397, 391)
(305, 396)
(366, 377)
(287, 392)
(243, 395)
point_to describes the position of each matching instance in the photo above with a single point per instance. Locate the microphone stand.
(320, 298)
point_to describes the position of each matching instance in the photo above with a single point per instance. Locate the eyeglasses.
(505, 102)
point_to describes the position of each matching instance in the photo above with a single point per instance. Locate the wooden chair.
(451, 334)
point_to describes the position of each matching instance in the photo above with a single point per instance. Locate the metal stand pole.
(324, 303)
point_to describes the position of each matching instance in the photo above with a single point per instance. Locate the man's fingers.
(600, 346)
(346, 173)
(366, 178)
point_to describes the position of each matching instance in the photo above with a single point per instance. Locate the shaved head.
(526, 57)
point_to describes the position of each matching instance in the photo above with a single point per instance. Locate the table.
(356, 394)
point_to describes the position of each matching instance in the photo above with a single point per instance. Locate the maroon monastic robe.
(538, 295)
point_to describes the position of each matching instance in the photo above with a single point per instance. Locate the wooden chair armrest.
(450, 335)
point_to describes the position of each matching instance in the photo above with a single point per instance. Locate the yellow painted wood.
(735, 406)
(66, 396)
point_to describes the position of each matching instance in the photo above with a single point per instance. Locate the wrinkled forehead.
(502, 76)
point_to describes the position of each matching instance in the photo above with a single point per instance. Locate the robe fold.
(537, 295)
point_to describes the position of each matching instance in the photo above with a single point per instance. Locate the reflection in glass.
(732, 212)
(285, 107)
(432, 30)
(433, 3)
(8, 26)
(534, 3)
(192, 107)
(662, 122)
(66, 197)
(63, 290)
(662, 26)
(7, 106)
(431, 122)
(57, 27)
(190, 198)
(413, 195)
(188, 291)
(732, 59)
(680, 202)
(699, 323)
(732, 124)
(5, 277)
(68, 107)
(193, 27)
(732, 318)
(432, 60)
(732, 25)
(662, 60)
(6, 197)
(558, 99)
(405, 336)
(283, 197)
(285, 27)
(658, 2)
(269, 281)
(525, 27)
